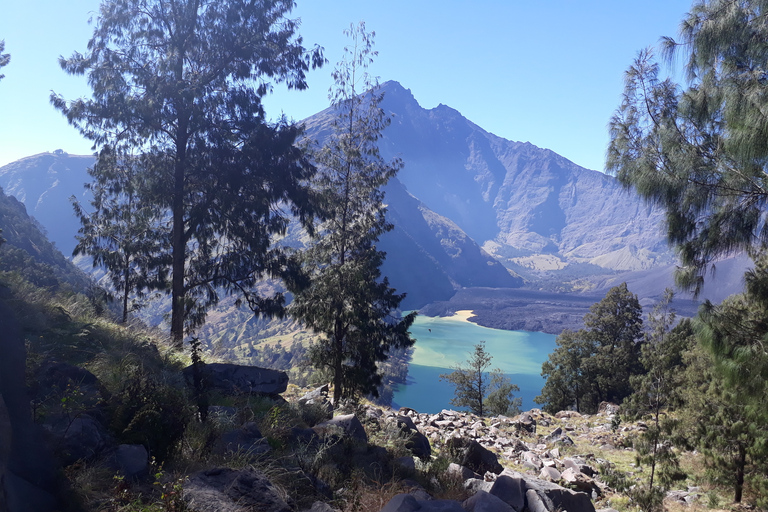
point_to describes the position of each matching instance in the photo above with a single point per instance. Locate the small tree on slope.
(348, 302)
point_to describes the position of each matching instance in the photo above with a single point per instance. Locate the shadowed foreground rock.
(235, 379)
(28, 472)
(230, 490)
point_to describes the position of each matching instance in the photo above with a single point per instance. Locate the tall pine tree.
(348, 302)
(124, 232)
(595, 364)
(182, 81)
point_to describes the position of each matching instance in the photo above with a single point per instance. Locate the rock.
(461, 471)
(348, 423)
(557, 436)
(471, 454)
(579, 481)
(550, 474)
(55, 381)
(320, 506)
(511, 490)
(246, 440)
(525, 423)
(486, 502)
(579, 466)
(230, 490)
(543, 496)
(534, 459)
(607, 408)
(235, 379)
(406, 462)
(317, 395)
(132, 460)
(82, 438)
(567, 415)
(409, 503)
(405, 423)
(419, 445)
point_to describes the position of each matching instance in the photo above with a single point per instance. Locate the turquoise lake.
(442, 342)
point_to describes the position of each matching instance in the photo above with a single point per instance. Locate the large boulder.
(230, 490)
(482, 501)
(416, 442)
(245, 440)
(234, 379)
(409, 503)
(80, 439)
(469, 453)
(525, 493)
(348, 423)
(543, 496)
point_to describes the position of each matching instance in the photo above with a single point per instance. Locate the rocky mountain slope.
(527, 206)
(429, 257)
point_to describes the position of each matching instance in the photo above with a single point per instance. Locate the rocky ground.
(291, 453)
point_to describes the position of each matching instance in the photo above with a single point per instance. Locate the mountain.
(526, 206)
(27, 250)
(44, 184)
(428, 256)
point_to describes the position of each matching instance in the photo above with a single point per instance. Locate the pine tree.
(595, 364)
(658, 387)
(569, 379)
(699, 151)
(5, 58)
(727, 425)
(481, 391)
(124, 231)
(348, 302)
(181, 81)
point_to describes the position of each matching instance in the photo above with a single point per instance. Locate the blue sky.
(549, 72)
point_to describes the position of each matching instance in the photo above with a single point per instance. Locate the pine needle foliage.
(482, 392)
(700, 151)
(348, 301)
(181, 82)
(595, 364)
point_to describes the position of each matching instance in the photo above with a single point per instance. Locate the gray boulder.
(235, 379)
(230, 490)
(509, 489)
(462, 472)
(132, 460)
(348, 423)
(245, 440)
(471, 454)
(409, 503)
(549, 473)
(81, 438)
(542, 496)
(482, 501)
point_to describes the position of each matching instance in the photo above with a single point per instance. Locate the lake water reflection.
(442, 342)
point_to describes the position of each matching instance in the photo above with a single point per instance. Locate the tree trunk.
(178, 248)
(739, 484)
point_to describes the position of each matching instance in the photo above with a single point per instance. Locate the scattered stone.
(409, 503)
(579, 481)
(463, 472)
